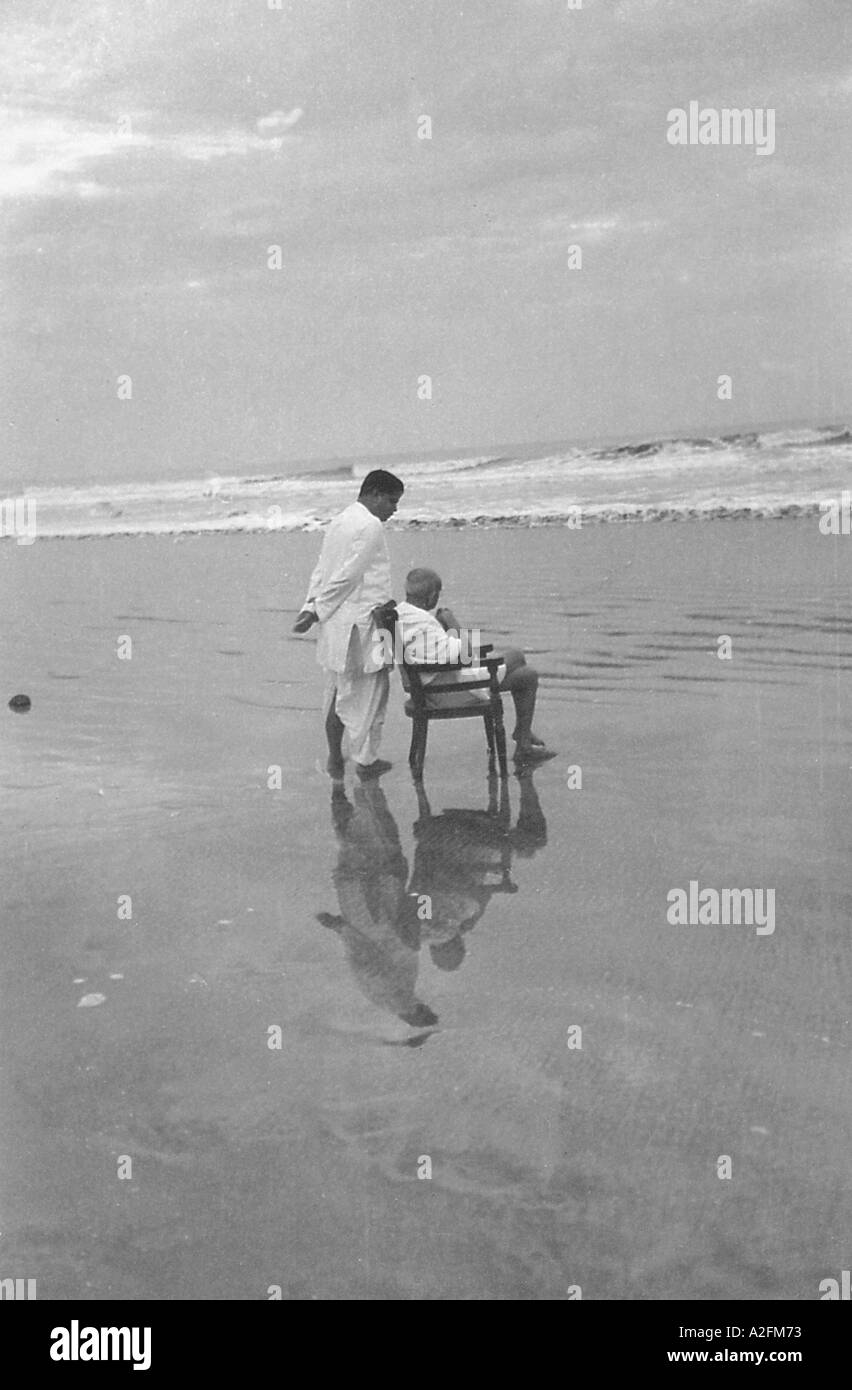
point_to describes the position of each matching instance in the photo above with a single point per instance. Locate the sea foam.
(771, 475)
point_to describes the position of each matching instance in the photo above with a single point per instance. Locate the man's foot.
(533, 753)
(370, 770)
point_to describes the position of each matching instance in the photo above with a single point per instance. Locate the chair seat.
(451, 712)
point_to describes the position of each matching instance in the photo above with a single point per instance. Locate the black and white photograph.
(425, 539)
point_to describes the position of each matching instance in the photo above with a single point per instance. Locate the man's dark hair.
(381, 481)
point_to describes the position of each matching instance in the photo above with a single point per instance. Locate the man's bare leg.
(521, 681)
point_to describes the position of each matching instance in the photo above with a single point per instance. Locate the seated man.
(429, 634)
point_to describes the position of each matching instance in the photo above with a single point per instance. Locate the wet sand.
(256, 908)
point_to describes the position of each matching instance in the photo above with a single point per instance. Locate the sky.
(152, 151)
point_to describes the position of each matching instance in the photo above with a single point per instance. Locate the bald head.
(422, 588)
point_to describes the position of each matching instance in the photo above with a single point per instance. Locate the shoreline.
(568, 521)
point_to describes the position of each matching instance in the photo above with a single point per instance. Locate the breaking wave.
(768, 475)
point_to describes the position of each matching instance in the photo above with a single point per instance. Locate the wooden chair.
(421, 714)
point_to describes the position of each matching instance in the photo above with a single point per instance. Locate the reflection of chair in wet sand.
(377, 922)
(463, 857)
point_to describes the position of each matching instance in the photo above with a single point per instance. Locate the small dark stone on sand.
(20, 703)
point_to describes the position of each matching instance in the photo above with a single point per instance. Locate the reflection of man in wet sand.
(464, 857)
(378, 921)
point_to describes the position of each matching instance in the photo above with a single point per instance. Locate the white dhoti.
(361, 703)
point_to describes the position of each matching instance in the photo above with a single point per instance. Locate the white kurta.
(351, 578)
(423, 639)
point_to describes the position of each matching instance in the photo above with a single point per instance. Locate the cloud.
(40, 154)
(217, 144)
(549, 130)
(279, 121)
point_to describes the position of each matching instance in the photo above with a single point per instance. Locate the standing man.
(351, 580)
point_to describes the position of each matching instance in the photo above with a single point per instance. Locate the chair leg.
(417, 751)
(500, 737)
(489, 738)
(412, 747)
(421, 748)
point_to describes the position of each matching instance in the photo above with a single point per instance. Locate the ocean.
(775, 474)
